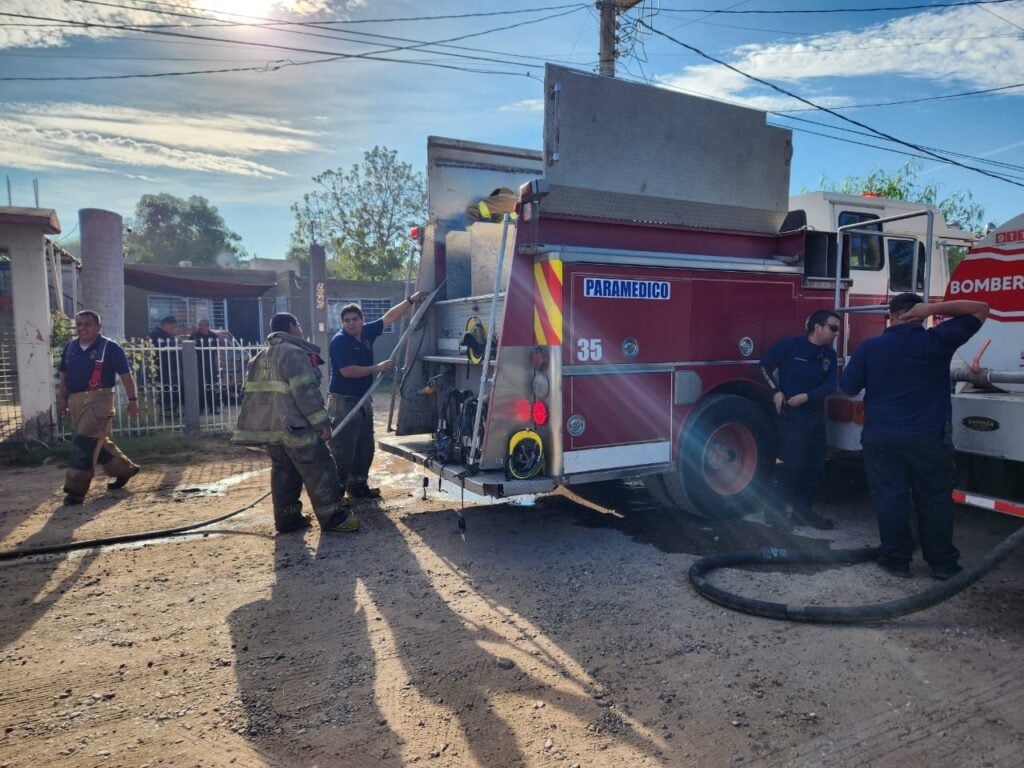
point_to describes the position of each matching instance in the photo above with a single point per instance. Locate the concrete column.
(22, 233)
(102, 281)
(317, 330)
(188, 380)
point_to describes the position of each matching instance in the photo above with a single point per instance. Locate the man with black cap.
(166, 343)
(908, 450)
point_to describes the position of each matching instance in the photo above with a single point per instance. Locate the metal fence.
(10, 405)
(184, 388)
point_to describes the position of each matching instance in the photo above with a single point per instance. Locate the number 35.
(588, 349)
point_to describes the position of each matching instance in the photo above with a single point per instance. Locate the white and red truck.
(988, 403)
(613, 329)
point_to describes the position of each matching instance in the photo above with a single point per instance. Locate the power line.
(273, 46)
(345, 35)
(891, 150)
(1011, 167)
(1003, 18)
(332, 55)
(794, 33)
(930, 7)
(946, 97)
(354, 21)
(844, 118)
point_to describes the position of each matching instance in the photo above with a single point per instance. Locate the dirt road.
(554, 634)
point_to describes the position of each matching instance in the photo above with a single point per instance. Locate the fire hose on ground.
(823, 614)
(162, 533)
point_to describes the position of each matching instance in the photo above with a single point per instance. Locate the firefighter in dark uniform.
(908, 450)
(352, 372)
(283, 410)
(801, 370)
(89, 368)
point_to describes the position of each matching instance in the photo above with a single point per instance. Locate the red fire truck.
(613, 329)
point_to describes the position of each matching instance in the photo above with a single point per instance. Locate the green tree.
(362, 216)
(958, 208)
(168, 229)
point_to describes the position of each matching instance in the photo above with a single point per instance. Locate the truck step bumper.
(419, 449)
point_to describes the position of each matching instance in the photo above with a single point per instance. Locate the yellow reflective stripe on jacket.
(319, 417)
(264, 385)
(260, 437)
(485, 212)
(303, 378)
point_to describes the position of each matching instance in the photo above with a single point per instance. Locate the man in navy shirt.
(801, 370)
(89, 367)
(166, 343)
(352, 372)
(908, 451)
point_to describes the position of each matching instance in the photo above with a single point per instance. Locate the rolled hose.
(824, 614)
(160, 533)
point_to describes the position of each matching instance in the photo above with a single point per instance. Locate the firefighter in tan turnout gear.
(283, 410)
(89, 368)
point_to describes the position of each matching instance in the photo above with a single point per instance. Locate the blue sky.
(251, 141)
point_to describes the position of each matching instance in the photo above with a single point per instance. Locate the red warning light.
(415, 233)
(522, 410)
(540, 413)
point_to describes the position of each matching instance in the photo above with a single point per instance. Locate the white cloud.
(964, 46)
(526, 105)
(239, 134)
(73, 136)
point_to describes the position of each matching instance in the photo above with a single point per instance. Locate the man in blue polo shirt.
(352, 372)
(801, 370)
(89, 367)
(908, 450)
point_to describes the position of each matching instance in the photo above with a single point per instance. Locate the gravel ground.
(557, 632)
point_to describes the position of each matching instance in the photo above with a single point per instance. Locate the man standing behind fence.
(166, 344)
(89, 366)
(206, 342)
(283, 410)
(352, 371)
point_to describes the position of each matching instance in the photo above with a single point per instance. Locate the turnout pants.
(310, 466)
(353, 446)
(919, 474)
(802, 448)
(92, 415)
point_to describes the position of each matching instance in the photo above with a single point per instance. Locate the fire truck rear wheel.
(725, 459)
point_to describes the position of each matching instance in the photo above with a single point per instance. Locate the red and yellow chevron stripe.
(547, 302)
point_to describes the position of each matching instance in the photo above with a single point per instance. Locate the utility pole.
(610, 9)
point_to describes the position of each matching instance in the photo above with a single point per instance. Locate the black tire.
(724, 462)
(655, 486)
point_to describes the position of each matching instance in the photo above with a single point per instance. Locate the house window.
(188, 310)
(372, 310)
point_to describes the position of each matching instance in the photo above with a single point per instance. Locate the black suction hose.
(823, 614)
(161, 533)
